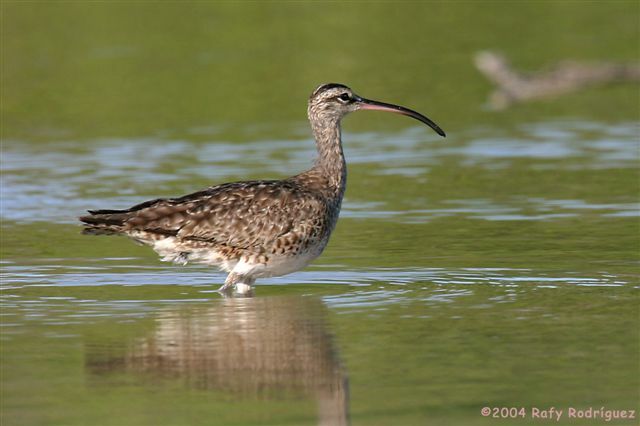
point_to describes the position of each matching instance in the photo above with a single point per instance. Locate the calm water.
(495, 268)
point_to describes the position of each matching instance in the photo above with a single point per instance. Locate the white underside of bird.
(278, 265)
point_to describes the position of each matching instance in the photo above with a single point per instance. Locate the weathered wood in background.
(567, 76)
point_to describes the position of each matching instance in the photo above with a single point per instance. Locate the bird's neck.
(330, 164)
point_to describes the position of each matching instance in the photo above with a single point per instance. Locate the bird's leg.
(229, 283)
(241, 283)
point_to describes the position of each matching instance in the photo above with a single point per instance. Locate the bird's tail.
(105, 222)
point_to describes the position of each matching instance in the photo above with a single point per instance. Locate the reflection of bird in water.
(255, 348)
(257, 228)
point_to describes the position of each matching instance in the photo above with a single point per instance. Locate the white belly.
(276, 265)
(283, 265)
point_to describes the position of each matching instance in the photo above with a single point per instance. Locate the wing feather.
(241, 215)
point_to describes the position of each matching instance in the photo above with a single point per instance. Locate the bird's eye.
(344, 97)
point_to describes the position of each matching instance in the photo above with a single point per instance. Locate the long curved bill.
(381, 106)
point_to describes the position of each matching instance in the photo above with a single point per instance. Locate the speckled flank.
(250, 229)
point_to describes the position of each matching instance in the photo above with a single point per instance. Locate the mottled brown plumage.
(257, 228)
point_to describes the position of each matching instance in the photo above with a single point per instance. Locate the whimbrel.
(260, 228)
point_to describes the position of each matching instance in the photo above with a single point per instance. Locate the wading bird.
(260, 228)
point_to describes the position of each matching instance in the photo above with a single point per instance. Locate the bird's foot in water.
(237, 285)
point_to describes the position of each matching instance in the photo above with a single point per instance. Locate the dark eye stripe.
(345, 97)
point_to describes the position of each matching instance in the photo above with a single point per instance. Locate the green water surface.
(495, 268)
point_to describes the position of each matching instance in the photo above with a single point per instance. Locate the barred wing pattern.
(256, 216)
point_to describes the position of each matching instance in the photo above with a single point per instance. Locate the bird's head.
(330, 102)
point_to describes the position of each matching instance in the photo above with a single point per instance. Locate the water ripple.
(58, 182)
(15, 277)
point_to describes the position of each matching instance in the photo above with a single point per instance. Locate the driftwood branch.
(565, 77)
